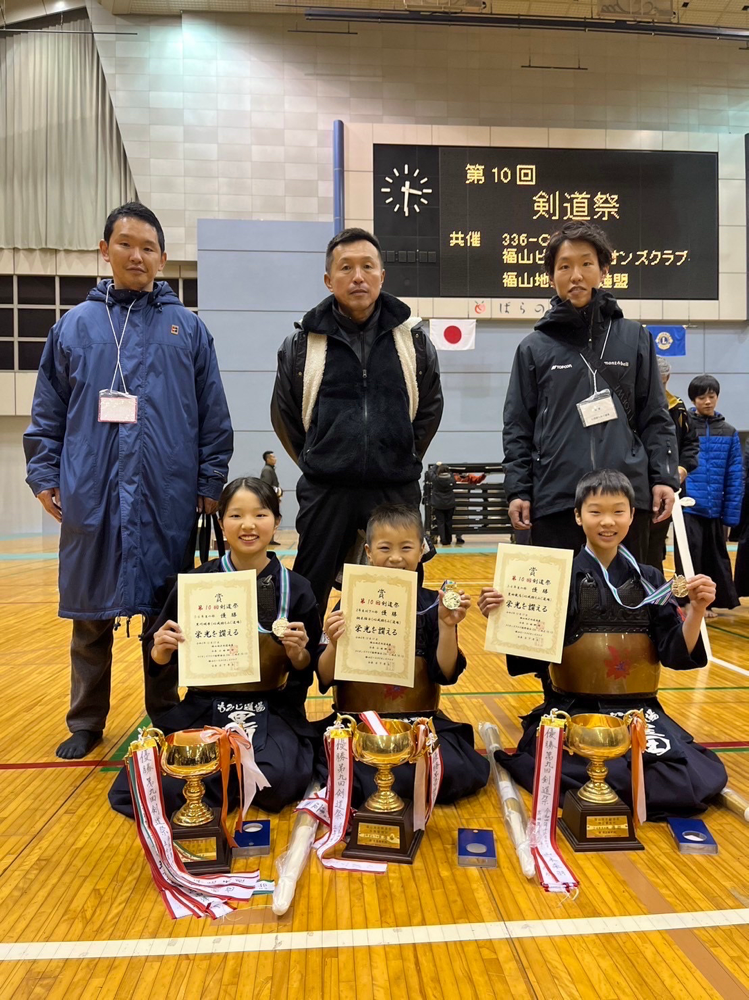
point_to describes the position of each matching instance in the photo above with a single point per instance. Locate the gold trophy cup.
(382, 830)
(595, 818)
(198, 835)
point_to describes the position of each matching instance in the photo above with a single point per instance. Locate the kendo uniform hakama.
(464, 770)
(611, 664)
(285, 744)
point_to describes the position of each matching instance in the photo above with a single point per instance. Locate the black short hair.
(266, 453)
(702, 384)
(609, 482)
(350, 236)
(133, 210)
(265, 494)
(396, 515)
(585, 232)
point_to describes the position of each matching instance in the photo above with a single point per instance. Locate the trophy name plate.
(590, 826)
(377, 836)
(202, 849)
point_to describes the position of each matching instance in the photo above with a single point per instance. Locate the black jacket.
(443, 488)
(547, 449)
(361, 432)
(687, 442)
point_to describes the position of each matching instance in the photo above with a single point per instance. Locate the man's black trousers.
(329, 521)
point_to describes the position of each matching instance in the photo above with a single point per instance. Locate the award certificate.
(535, 583)
(379, 644)
(218, 616)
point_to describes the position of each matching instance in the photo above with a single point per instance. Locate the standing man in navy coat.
(129, 433)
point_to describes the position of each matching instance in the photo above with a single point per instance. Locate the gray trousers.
(91, 676)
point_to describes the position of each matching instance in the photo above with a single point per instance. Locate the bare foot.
(711, 614)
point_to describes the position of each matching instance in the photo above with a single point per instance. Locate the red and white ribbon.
(251, 778)
(553, 872)
(183, 894)
(428, 777)
(375, 723)
(332, 807)
(639, 743)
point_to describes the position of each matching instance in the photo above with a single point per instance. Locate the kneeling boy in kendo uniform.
(395, 536)
(617, 637)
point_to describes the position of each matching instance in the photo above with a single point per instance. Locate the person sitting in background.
(717, 487)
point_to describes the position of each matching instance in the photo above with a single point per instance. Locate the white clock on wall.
(406, 190)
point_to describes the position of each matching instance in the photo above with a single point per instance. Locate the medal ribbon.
(434, 605)
(660, 596)
(284, 599)
(553, 872)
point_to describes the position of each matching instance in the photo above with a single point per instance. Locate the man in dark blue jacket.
(585, 394)
(129, 432)
(356, 402)
(717, 487)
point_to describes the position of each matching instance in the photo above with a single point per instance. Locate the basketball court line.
(370, 937)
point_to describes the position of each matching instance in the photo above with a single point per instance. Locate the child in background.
(717, 486)
(395, 536)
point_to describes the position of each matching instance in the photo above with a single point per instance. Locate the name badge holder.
(117, 407)
(598, 408)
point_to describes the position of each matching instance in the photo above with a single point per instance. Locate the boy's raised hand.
(448, 617)
(335, 626)
(489, 600)
(701, 592)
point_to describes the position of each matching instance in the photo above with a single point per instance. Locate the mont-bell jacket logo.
(175, 330)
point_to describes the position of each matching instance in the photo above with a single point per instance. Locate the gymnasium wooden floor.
(80, 917)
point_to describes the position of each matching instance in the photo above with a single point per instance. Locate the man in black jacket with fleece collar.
(356, 402)
(554, 432)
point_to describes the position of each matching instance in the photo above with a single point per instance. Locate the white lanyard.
(603, 351)
(118, 343)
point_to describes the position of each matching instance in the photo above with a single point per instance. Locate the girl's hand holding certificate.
(335, 626)
(166, 642)
(489, 600)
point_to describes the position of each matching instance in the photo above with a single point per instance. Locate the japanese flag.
(453, 334)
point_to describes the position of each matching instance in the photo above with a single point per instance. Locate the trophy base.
(389, 837)
(203, 850)
(590, 826)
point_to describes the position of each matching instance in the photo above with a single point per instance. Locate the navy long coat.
(128, 491)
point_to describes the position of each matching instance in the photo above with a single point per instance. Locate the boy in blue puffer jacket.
(717, 486)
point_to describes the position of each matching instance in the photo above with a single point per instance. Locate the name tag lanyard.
(118, 407)
(599, 407)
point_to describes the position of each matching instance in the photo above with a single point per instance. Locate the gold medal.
(679, 586)
(280, 627)
(450, 596)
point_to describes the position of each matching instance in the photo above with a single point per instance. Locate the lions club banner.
(453, 334)
(670, 341)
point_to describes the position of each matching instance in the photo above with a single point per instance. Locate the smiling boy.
(618, 634)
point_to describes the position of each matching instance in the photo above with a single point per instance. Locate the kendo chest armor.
(612, 653)
(274, 663)
(424, 696)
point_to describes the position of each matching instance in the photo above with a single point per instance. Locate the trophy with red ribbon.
(595, 818)
(387, 828)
